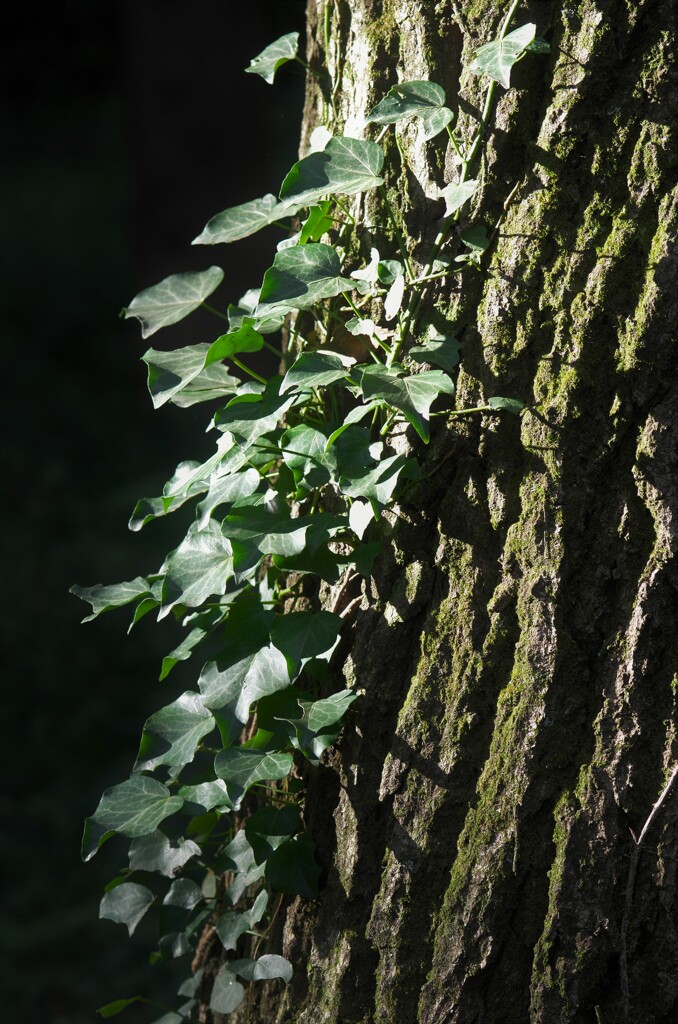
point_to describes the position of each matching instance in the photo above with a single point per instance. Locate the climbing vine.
(305, 463)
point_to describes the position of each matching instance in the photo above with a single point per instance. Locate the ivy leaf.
(205, 796)
(172, 299)
(126, 904)
(244, 313)
(266, 968)
(133, 808)
(412, 395)
(441, 350)
(321, 714)
(345, 166)
(227, 993)
(378, 482)
(230, 927)
(184, 650)
(413, 99)
(360, 515)
(302, 635)
(169, 372)
(212, 383)
(225, 490)
(171, 736)
(456, 195)
(317, 223)
(249, 416)
(118, 1005)
(314, 370)
(199, 568)
(243, 683)
(303, 451)
(241, 221)
(239, 859)
(266, 63)
(394, 299)
(184, 894)
(300, 277)
(241, 768)
(154, 852)
(292, 867)
(269, 828)
(496, 59)
(116, 595)
(513, 405)
(538, 45)
(476, 239)
(354, 416)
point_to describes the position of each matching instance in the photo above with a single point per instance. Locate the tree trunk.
(517, 648)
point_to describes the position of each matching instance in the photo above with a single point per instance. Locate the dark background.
(124, 127)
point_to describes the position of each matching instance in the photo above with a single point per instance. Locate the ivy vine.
(303, 468)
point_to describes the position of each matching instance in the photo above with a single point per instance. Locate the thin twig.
(630, 886)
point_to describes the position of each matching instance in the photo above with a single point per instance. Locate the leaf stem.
(211, 309)
(246, 369)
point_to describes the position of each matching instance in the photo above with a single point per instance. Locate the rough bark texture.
(517, 648)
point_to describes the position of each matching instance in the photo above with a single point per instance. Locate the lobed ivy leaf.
(441, 350)
(171, 736)
(230, 927)
(205, 796)
(269, 828)
(456, 195)
(243, 683)
(345, 166)
(378, 481)
(413, 395)
(292, 867)
(413, 99)
(117, 595)
(172, 299)
(133, 808)
(155, 852)
(225, 490)
(250, 416)
(184, 650)
(211, 384)
(476, 238)
(126, 904)
(266, 63)
(302, 635)
(243, 313)
(300, 277)
(238, 858)
(241, 768)
(184, 893)
(314, 370)
(241, 221)
(199, 568)
(496, 59)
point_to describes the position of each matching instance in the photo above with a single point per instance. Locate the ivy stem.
(217, 312)
(352, 304)
(345, 210)
(453, 140)
(467, 160)
(246, 369)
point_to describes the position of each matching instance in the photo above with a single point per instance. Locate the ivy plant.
(304, 466)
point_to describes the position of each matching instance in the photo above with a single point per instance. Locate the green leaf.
(225, 490)
(394, 298)
(245, 682)
(116, 595)
(303, 451)
(314, 370)
(249, 416)
(231, 926)
(171, 736)
(155, 852)
(172, 299)
(300, 277)
(345, 166)
(244, 313)
(118, 1005)
(513, 405)
(241, 221)
(199, 568)
(301, 635)
(265, 968)
(496, 59)
(413, 99)
(183, 651)
(126, 904)
(266, 63)
(439, 349)
(133, 808)
(206, 795)
(268, 828)
(213, 383)
(241, 769)
(318, 223)
(239, 859)
(227, 993)
(184, 894)
(320, 714)
(538, 45)
(292, 868)
(456, 195)
(412, 395)
(354, 416)
(475, 238)
(378, 481)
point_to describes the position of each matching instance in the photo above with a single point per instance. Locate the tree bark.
(516, 649)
